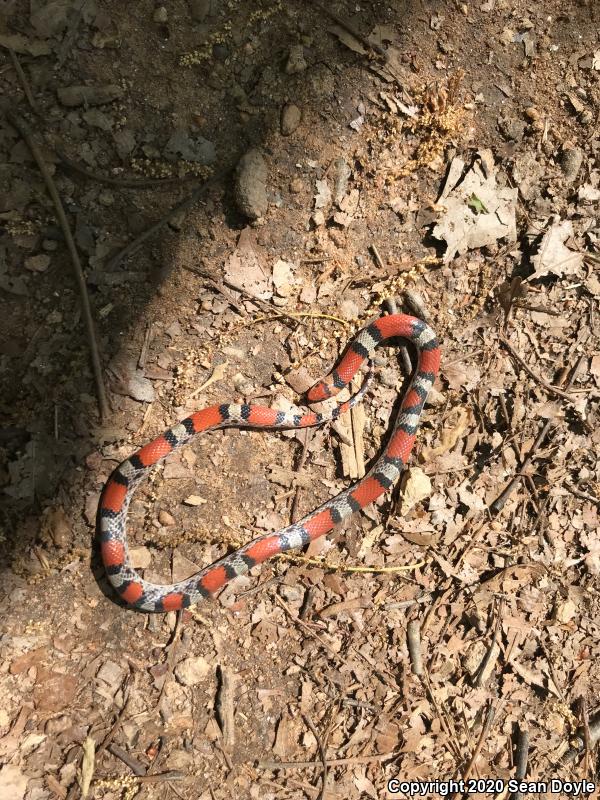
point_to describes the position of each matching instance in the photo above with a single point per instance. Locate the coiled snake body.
(119, 489)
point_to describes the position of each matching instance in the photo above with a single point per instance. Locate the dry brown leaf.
(450, 436)
(511, 578)
(416, 486)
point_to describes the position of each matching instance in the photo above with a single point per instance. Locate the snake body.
(119, 489)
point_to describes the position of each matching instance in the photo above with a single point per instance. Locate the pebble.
(296, 62)
(250, 189)
(296, 185)
(571, 160)
(39, 263)
(192, 670)
(160, 14)
(165, 518)
(291, 116)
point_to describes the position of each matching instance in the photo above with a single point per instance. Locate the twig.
(304, 626)
(23, 79)
(489, 719)
(341, 568)
(414, 646)
(587, 738)
(547, 386)
(134, 765)
(119, 718)
(521, 758)
(500, 501)
(271, 307)
(331, 762)
(225, 708)
(578, 493)
(122, 183)
(25, 132)
(322, 753)
(308, 435)
(136, 243)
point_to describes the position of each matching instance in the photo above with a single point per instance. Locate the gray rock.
(571, 160)
(250, 189)
(191, 148)
(291, 116)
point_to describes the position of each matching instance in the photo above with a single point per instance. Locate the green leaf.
(477, 204)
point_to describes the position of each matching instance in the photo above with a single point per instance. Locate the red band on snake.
(117, 494)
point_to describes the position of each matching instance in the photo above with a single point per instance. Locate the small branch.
(136, 243)
(414, 646)
(90, 329)
(23, 79)
(500, 501)
(521, 758)
(225, 708)
(134, 765)
(308, 435)
(540, 381)
(331, 762)
(322, 753)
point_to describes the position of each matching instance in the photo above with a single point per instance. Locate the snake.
(116, 496)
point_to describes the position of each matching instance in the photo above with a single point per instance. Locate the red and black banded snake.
(119, 489)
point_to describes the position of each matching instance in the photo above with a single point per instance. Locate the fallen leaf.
(458, 226)
(416, 486)
(553, 255)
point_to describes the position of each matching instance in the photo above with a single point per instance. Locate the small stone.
(13, 782)
(296, 62)
(192, 670)
(532, 114)
(141, 557)
(111, 674)
(220, 52)
(160, 14)
(291, 116)
(296, 185)
(199, 10)
(571, 160)
(250, 188)
(39, 263)
(165, 518)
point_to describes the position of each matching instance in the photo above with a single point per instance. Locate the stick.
(136, 243)
(331, 762)
(547, 386)
(90, 330)
(122, 183)
(522, 755)
(500, 501)
(307, 439)
(23, 79)
(414, 646)
(322, 753)
(134, 765)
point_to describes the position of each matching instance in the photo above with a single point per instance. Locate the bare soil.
(308, 659)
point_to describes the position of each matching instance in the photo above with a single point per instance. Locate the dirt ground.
(440, 156)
